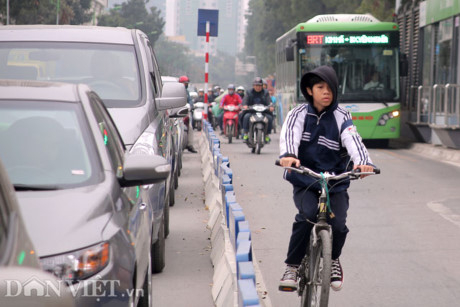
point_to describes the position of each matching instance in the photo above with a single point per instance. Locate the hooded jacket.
(322, 141)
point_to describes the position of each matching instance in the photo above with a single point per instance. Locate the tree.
(44, 11)
(133, 14)
(382, 10)
(172, 57)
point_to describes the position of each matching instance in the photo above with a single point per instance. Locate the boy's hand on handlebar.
(364, 169)
(289, 161)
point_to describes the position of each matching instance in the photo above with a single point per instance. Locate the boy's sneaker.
(267, 139)
(289, 280)
(245, 138)
(336, 275)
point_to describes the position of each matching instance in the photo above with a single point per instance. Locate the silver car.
(19, 264)
(16, 248)
(120, 65)
(80, 190)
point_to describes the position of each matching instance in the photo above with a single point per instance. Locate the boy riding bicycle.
(321, 136)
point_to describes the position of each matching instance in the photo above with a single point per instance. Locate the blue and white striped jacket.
(322, 142)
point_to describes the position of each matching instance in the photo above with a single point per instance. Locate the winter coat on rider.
(233, 99)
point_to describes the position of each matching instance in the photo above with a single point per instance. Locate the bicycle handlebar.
(352, 174)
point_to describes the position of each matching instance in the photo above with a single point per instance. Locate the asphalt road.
(187, 278)
(402, 248)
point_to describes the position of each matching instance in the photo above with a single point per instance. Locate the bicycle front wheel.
(316, 291)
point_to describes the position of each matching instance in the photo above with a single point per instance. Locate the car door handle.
(142, 206)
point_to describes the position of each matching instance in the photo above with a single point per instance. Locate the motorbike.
(198, 113)
(211, 116)
(258, 126)
(230, 121)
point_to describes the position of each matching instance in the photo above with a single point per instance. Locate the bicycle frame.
(315, 269)
(322, 216)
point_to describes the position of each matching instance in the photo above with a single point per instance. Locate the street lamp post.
(58, 4)
(7, 12)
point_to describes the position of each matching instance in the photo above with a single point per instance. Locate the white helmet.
(240, 88)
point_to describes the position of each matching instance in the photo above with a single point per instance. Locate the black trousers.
(306, 202)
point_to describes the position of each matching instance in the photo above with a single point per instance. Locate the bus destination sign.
(347, 39)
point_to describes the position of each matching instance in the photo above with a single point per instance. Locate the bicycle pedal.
(287, 289)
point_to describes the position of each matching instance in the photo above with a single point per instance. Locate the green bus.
(365, 54)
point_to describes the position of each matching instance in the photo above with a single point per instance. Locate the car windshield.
(111, 70)
(365, 73)
(43, 145)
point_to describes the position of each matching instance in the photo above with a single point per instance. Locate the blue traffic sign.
(208, 15)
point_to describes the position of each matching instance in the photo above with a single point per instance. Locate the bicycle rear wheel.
(316, 291)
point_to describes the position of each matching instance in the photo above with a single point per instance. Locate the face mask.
(230, 92)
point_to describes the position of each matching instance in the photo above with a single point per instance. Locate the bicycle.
(314, 275)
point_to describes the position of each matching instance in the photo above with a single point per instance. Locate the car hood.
(131, 122)
(60, 221)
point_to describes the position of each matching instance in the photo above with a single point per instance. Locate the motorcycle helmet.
(257, 81)
(240, 88)
(231, 89)
(184, 79)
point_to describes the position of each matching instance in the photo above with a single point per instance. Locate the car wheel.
(158, 252)
(179, 163)
(146, 299)
(172, 198)
(166, 218)
(176, 177)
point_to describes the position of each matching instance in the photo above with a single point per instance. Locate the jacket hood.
(326, 73)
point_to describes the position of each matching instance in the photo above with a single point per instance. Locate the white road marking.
(445, 212)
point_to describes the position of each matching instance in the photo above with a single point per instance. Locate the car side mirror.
(179, 112)
(174, 95)
(142, 169)
(289, 53)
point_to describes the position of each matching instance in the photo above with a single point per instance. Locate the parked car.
(16, 248)
(19, 264)
(80, 190)
(120, 65)
(178, 128)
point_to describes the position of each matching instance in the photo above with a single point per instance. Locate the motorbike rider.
(185, 80)
(200, 97)
(230, 99)
(256, 95)
(211, 96)
(216, 91)
(240, 91)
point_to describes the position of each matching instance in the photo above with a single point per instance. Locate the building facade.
(430, 37)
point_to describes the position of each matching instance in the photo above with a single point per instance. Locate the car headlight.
(78, 264)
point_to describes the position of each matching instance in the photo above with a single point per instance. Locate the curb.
(234, 279)
(437, 151)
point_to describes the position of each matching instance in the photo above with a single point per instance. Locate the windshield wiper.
(37, 187)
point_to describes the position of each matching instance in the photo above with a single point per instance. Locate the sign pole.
(206, 66)
(208, 21)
